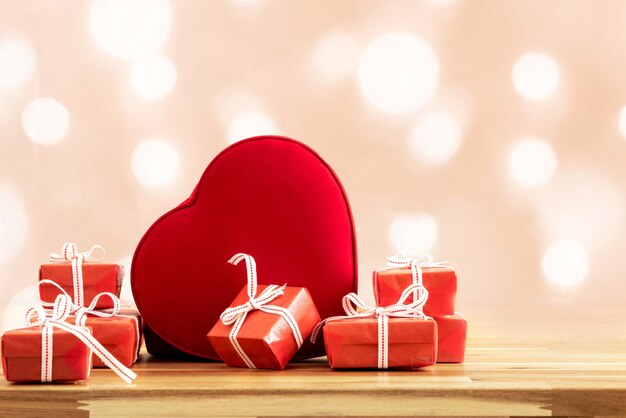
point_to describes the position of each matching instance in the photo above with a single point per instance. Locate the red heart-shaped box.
(271, 197)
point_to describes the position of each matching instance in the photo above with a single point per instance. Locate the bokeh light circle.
(535, 76)
(413, 233)
(155, 162)
(565, 263)
(17, 63)
(129, 28)
(249, 123)
(435, 138)
(532, 162)
(336, 55)
(153, 76)
(45, 121)
(398, 73)
(583, 204)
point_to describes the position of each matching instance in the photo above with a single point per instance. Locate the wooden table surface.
(573, 366)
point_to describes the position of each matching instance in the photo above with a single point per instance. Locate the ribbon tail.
(235, 343)
(316, 331)
(77, 278)
(383, 342)
(46, 351)
(98, 349)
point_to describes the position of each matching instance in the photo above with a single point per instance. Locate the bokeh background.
(489, 133)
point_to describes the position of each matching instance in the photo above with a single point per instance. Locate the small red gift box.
(119, 334)
(398, 335)
(266, 338)
(97, 278)
(439, 281)
(353, 343)
(452, 336)
(22, 356)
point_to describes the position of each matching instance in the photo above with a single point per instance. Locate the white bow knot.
(416, 264)
(232, 314)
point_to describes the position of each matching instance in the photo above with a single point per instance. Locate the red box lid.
(271, 197)
(103, 276)
(365, 330)
(26, 342)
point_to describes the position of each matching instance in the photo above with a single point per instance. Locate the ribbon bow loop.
(61, 310)
(423, 260)
(70, 253)
(81, 312)
(236, 315)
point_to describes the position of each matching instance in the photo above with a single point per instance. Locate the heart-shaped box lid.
(271, 197)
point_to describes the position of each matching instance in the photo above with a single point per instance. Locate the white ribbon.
(81, 312)
(56, 318)
(236, 315)
(416, 264)
(69, 252)
(356, 308)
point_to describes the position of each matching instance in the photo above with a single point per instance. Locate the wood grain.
(531, 369)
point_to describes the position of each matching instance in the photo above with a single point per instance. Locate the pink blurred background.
(489, 133)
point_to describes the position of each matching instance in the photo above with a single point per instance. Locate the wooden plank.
(527, 373)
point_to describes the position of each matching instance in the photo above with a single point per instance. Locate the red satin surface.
(266, 339)
(452, 337)
(353, 343)
(271, 197)
(21, 356)
(440, 282)
(97, 278)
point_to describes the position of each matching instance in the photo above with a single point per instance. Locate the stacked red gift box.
(68, 335)
(440, 281)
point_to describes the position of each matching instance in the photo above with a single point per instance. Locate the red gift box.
(353, 343)
(22, 352)
(97, 278)
(452, 336)
(439, 281)
(268, 196)
(265, 336)
(395, 336)
(119, 334)
(53, 349)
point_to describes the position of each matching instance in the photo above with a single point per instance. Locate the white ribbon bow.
(416, 264)
(82, 312)
(236, 315)
(56, 318)
(356, 308)
(69, 252)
